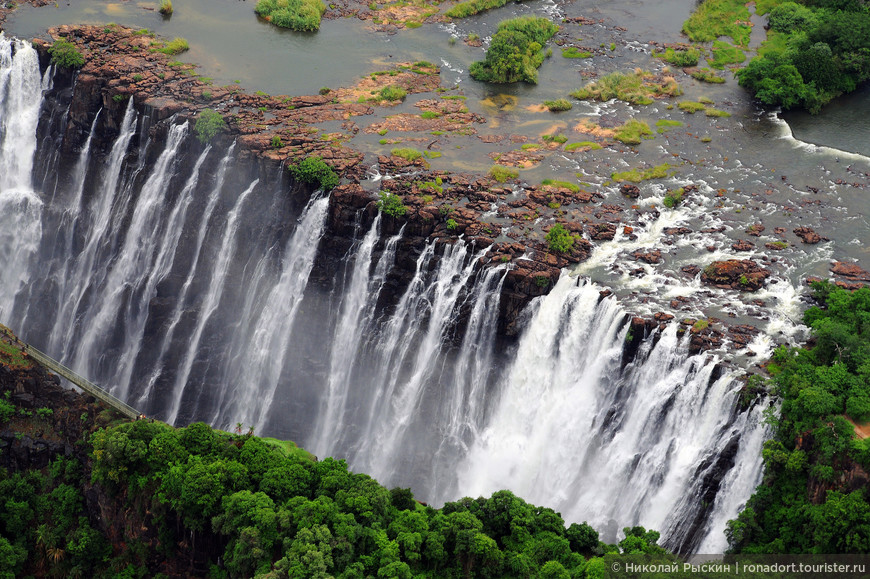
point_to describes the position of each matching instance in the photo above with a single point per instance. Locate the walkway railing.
(53, 365)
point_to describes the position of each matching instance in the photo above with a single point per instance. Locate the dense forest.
(144, 499)
(815, 51)
(814, 497)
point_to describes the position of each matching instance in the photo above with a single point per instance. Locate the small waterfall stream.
(184, 280)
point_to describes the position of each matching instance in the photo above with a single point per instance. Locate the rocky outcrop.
(808, 235)
(739, 274)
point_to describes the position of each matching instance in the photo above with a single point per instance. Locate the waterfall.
(261, 369)
(21, 91)
(218, 279)
(132, 266)
(182, 298)
(99, 219)
(192, 283)
(614, 447)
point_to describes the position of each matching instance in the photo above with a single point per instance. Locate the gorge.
(200, 282)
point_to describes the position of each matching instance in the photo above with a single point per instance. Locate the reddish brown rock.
(691, 270)
(652, 256)
(808, 235)
(601, 231)
(850, 270)
(676, 230)
(629, 190)
(755, 230)
(739, 274)
(742, 245)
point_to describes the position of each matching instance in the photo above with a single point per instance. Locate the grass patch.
(429, 115)
(175, 46)
(664, 125)
(392, 93)
(407, 153)
(65, 54)
(725, 53)
(564, 184)
(314, 171)
(472, 7)
(530, 147)
(558, 105)
(302, 15)
(711, 112)
(636, 175)
(559, 239)
(632, 132)
(681, 58)
(391, 204)
(13, 357)
(574, 52)
(208, 124)
(637, 88)
(555, 139)
(503, 174)
(165, 7)
(582, 145)
(515, 51)
(674, 198)
(706, 75)
(715, 18)
(691, 107)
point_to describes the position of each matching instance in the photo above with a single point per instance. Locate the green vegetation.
(301, 15)
(277, 143)
(208, 124)
(65, 54)
(700, 325)
(407, 153)
(429, 115)
(637, 88)
(725, 53)
(244, 506)
(805, 503)
(555, 138)
(574, 188)
(515, 51)
(451, 225)
(175, 46)
(636, 175)
(165, 7)
(715, 18)
(472, 7)
(391, 204)
(13, 357)
(314, 171)
(393, 93)
(664, 125)
(706, 75)
(632, 132)
(558, 105)
(691, 107)
(674, 198)
(711, 112)
(559, 239)
(503, 174)
(574, 52)
(815, 52)
(585, 145)
(681, 58)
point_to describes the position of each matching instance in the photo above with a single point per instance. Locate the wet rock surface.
(739, 274)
